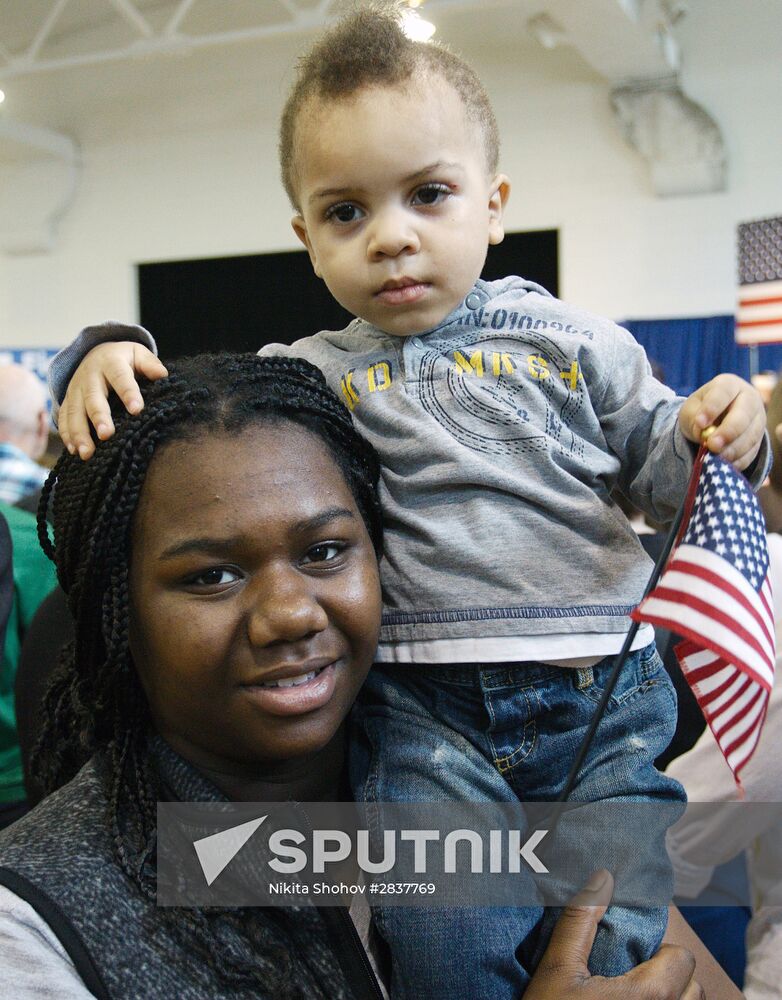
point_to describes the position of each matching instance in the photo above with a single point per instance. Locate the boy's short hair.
(369, 48)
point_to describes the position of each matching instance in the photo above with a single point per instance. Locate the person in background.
(770, 494)
(33, 579)
(24, 432)
(765, 382)
(6, 578)
(50, 629)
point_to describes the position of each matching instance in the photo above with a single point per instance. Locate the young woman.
(219, 556)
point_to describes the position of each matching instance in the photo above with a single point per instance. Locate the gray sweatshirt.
(501, 434)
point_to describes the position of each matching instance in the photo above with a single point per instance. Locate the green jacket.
(34, 578)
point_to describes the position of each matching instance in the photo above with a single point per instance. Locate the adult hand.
(113, 365)
(563, 973)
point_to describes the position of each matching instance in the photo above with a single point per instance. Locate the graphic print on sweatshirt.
(495, 393)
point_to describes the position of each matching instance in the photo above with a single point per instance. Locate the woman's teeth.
(293, 681)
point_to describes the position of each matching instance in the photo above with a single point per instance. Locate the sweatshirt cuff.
(64, 364)
(760, 466)
(684, 449)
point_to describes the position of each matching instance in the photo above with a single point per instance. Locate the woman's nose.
(392, 233)
(284, 608)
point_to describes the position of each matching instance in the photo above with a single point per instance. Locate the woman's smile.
(295, 695)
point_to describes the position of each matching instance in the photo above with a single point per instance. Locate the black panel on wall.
(533, 255)
(242, 303)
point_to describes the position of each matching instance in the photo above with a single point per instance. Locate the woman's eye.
(345, 212)
(217, 577)
(431, 194)
(323, 553)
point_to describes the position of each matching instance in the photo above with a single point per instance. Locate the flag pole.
(583, 750)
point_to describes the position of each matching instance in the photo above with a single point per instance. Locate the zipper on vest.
(353, 958)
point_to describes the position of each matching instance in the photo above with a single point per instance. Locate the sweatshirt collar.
(477, 297)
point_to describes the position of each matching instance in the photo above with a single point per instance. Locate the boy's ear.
(300, 229)
(499, 192)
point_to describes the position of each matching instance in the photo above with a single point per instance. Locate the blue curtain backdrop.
(691, 351)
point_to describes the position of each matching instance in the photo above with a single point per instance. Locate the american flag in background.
(759, 314)
(715, 592)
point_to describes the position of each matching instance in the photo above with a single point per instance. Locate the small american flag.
(759, 314)
(715, 592)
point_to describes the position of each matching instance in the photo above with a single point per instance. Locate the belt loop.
(585, 677)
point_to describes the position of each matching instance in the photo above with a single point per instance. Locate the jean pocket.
(642, 672)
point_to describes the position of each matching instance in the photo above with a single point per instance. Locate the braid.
(95, 700)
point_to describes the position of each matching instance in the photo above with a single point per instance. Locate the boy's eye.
(431, 194)
(344, 212)
(219, 576)
(324, 552)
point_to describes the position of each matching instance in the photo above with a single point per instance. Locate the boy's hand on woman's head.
(563, 973)
(106, 367)
(736, 410)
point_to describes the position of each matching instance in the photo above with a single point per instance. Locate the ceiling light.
(2, 96)
(416, 28)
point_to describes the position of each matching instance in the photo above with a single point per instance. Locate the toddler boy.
(504, 420)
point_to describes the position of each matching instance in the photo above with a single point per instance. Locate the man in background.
(32, 578)
(24, 431)
(6, 579)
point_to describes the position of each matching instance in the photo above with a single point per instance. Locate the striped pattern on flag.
(734, 706)
(715, 592)
(759, 313)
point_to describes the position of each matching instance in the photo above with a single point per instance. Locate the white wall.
(180, 162)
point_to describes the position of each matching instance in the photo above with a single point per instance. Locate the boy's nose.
(391, 234)
(285, 609)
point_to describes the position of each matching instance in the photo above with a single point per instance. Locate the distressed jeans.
(507, 733)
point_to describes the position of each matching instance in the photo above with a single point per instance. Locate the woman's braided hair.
(95, 701)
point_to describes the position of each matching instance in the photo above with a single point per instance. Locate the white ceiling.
(95, 65)
(41, 35)
(96, 68)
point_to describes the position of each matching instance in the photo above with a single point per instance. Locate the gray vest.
(61, 856)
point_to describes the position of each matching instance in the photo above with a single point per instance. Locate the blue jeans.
(504, 733)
